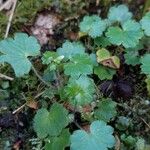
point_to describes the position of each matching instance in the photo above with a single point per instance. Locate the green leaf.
(148, 84)
(132, 55)
(130, 141)
(48, 57)
(99, 138)
(93, 25)
(60, 142)
(140, 144)
(145, 23)
(123, 123)
(106, 110)
(70, 49)
(15, 52)
(102, 41)
(145, 67)
(128, 36)
(79, 65)
(132, 58)
(80, 91)
(119, 13)
(93, 59)
(50, 122)
(104, 72)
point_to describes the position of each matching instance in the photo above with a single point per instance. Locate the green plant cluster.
(72, 67)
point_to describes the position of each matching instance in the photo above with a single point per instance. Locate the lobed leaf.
(93, 26)
(59, 142)
(15, 51)
(106, 110)
(128, 36)
(132, 58)
(99, 138)
(102, 41)
(145, 23)
(79, 65)
(50, 122)
(145, 67)
(80, 91)
(119, 13)
(104, 72)
(69, 49)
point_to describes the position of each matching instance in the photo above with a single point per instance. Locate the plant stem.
(39, 77)
(6, 77)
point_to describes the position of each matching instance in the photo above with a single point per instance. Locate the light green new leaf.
(80, 91)
(106, 110)
(48, 57)
(99, 138)
(16, 51)
(70, 49)
(104, 72)
(145, 67)
(60, 142)
(50, 122)
(93, 25)
(128, 36)
(79, 65)
(145, 23)
(119, 13)
(102, 54)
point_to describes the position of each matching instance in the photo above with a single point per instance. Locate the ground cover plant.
(85, 86)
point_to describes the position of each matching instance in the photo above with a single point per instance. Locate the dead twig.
(118, 143)
(10, 18)
(25, 104)
(19, 109)
(145, 122)
(6, 77)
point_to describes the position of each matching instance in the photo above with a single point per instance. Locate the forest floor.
(63, 16)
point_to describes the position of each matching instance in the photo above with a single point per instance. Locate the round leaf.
(15, 52)
(99, 138)
(93, 25)
(119, 13)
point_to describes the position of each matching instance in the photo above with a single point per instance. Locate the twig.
(145, 122)
(40, 78)
(117, 146)
(22, 106)
(19, 109)
(5, 4)
(6, 77)
(38, 95)
(10, 18)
